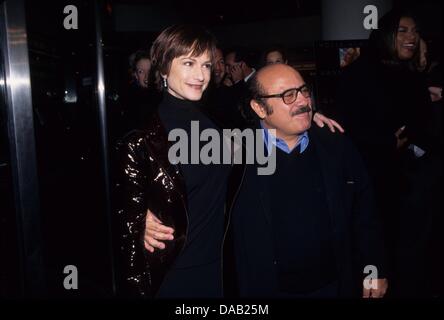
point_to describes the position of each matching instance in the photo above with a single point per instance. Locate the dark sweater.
(301, 223)
(206, 188)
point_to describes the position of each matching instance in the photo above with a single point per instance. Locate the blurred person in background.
(386, 108)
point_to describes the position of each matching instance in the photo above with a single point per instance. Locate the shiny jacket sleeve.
(133, 183)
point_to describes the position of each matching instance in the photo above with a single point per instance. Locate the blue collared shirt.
(281, 144)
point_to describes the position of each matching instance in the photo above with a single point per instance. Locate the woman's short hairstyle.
(176, 41)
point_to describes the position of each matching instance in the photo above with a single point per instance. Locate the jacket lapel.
(330, 169)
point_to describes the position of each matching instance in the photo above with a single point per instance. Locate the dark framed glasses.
(290, 95)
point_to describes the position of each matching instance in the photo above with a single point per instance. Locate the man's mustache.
(301, 110)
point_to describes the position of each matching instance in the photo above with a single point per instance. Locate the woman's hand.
(400, 142)
(155, 231)
(322, 120)
(435, 93)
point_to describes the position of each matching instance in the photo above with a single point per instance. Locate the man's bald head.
(270, 80)
(281, 100)
(274, 72)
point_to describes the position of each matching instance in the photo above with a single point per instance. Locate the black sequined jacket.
(147, 180)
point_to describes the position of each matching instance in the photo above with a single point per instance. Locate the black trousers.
(204, 281)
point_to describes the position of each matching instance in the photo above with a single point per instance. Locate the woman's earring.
(165, 84)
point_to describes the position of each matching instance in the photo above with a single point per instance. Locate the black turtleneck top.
(205, 186)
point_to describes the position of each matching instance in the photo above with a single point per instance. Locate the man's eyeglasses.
(289, 96)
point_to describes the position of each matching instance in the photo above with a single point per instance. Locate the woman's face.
(407, 38)
(274, 57)
(189, 76)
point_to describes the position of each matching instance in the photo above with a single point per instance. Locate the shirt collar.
(250, 75)
(281, 144)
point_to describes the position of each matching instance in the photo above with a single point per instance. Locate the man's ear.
(260, 110)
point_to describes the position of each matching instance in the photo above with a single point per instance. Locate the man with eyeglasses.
(309, 230)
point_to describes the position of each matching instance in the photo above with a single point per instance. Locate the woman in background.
(386, 108)
(275, 54)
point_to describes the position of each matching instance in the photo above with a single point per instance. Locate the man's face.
(230, 62)
(275, 80)
(219, 66)
(189, 76)
(407, 39)
(141, 74)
